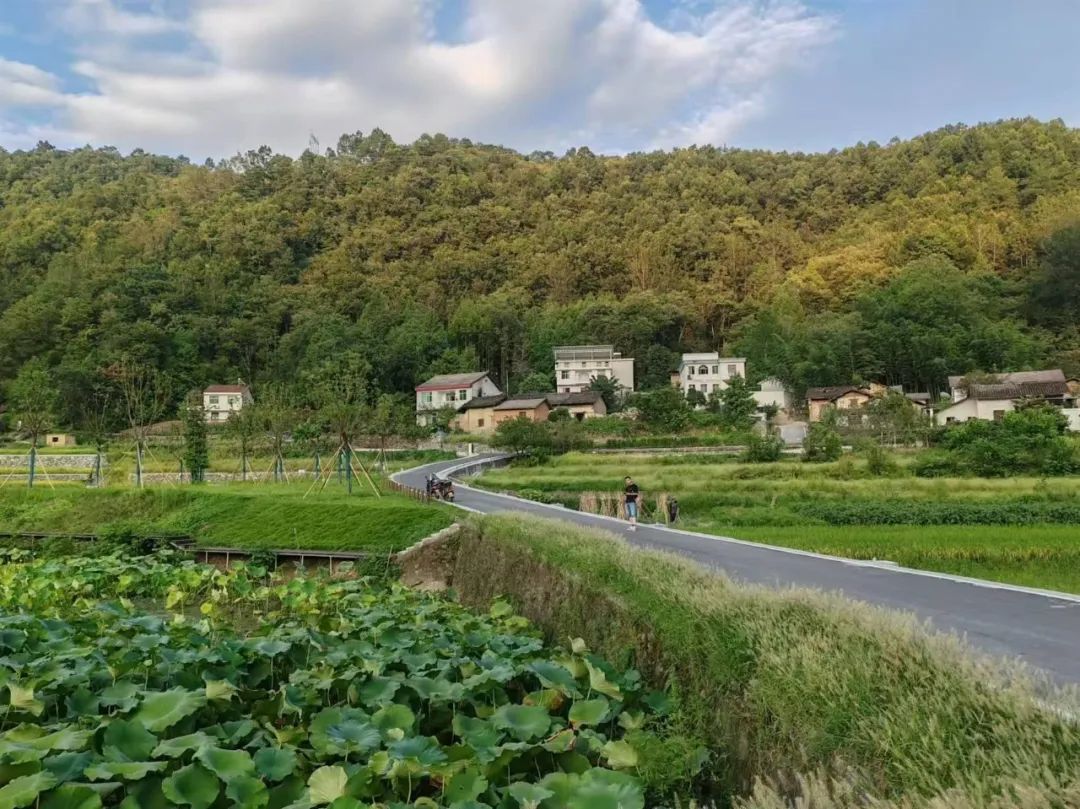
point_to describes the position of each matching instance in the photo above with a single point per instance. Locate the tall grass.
(783, 683)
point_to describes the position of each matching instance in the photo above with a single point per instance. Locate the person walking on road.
(630, 502)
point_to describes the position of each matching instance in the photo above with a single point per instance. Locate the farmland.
(1019, 530)
(153, 681)
(255, 516)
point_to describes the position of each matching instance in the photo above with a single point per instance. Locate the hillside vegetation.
(380, 263)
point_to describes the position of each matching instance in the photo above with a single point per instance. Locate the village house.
(842, 397)
(220, 402)
(478, 415)
(534, 409)
(60, 440)
(773, 393)
(450, 391)
(996, 395)
(575, 367)
(585, 405)
(707, 372)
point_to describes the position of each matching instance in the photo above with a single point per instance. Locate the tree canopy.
(380, 263)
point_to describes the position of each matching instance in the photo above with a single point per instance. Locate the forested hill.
(382, 263)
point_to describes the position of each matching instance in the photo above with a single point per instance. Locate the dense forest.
(381, 263)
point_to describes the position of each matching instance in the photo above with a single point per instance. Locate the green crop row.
(927, 512)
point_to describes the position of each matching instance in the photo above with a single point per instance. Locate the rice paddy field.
(1023, 531)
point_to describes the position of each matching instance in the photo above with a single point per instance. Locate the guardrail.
(475, 466)
(409, 491)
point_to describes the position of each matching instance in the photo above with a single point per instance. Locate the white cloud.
(230, 75)
(23, 85)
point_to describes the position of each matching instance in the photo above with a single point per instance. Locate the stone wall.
(50, 461)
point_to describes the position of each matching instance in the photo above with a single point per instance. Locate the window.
(715, 370)
(703, 370)
(733, 370)
(463, 395)
(704, 388)
(950, 419)
(234, 401)
(56, 439)
(427, 398)
(479, 422)
(564, 375)
(691, 387)
(690, 371)
(999, 415)
(213, 401)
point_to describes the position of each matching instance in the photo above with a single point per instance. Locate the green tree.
(244, 426)
(662, 409)
(823, 442)
(610, 391)
(525, 437)
(196, 445)
(33, 398)
(278, 415)
(535, 382)
(738, 408)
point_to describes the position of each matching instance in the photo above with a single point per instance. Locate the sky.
(210, 78)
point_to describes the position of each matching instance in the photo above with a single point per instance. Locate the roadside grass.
(1044, 556)
(259, 516)
(1020, 530)
(786, 685)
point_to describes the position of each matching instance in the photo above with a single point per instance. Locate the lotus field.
(154, 682)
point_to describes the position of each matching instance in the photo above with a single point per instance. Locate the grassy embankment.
(1020, 530)
(782, 684)
(249, 516)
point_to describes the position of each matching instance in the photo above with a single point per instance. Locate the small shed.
(60, 440)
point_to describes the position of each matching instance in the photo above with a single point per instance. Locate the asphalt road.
(1038, 627)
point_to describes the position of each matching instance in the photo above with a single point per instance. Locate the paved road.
(1040, 628)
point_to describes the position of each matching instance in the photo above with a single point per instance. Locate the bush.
(764, 449)
(929, 512)
(879, 462)
(1027, 441)
(936, 464)
(822, 443)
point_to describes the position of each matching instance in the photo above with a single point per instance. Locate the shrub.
(936, 464)
(764, 449)
(1027, 441)
(929, 512)
(879, 462)
(822, 443)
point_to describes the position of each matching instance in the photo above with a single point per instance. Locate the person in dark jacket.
(631, 495)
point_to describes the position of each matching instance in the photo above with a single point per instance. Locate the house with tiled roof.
(451, 391)
(842, 397)
(994, 395)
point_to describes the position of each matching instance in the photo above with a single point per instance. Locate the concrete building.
(450, 391)
(575, 367)
(772, 392)
(585, 405)
(958, 385)
(220, 402)
(708, 372)
(60, 440)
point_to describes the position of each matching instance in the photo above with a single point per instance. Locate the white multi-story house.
(220, 402)
(450, 391)
(575, 367)
(708, 372)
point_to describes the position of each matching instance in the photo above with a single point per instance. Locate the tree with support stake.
(33, 397)
(278, 416)
(196, 446)
(243, 425)
(98, 419)
(145, 395)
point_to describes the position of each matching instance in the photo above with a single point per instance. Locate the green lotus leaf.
(72, 796)
(632, 720)
(560, 742)
(528, 796)
(21, 698)
(226, 764)
(274, 763)
(247, 792)
(578, 646)
(605, 788)
(122, 695)
(82, 702)
(421, 749)
(378, 690)
(598, 681)
(395, 716)
(174, 748)
(68, 766)
(12, 640)
(269, 648)
(220, 689)
(621, 755)
(552, 675)
(163, 709)
(326, 785)
(124, 770)
(343, 731)
(589, 712)
(193, 785)
(25, 790)
(659, 703)
(524, 722)
(346, 802)
(128, 740)
(467, 785)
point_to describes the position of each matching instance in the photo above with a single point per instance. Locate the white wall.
(433, 400)
(718, 371)
(973, 409)
(1073, 415)
(574, 376)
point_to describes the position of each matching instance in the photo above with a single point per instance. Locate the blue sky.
(211, 77)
